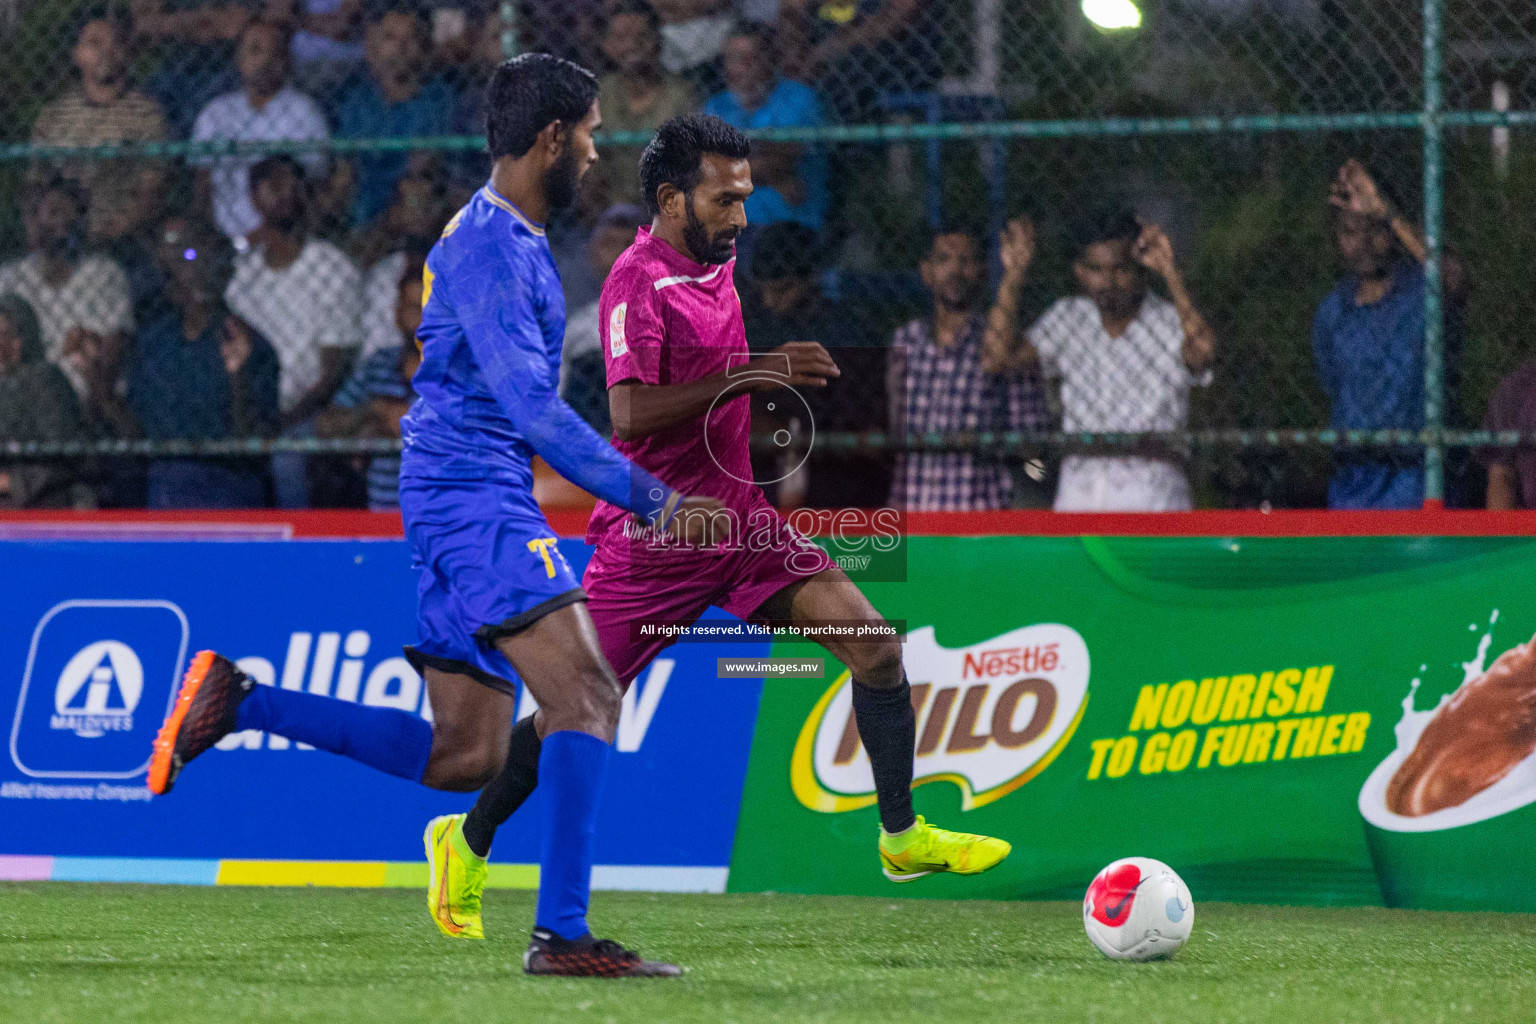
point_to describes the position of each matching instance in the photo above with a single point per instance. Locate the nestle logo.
(986, 735)
(1007, 661)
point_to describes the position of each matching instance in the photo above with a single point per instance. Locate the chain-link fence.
(214, 213)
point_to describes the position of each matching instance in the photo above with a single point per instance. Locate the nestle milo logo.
(990, 717)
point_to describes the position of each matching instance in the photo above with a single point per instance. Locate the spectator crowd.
(233, 296)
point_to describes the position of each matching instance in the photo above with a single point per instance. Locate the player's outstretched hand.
(699, 522)
(1154, 251)
(794, 364)
(1016, 249)
(1355, 191)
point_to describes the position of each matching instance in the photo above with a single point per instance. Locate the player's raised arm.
(1154, 251)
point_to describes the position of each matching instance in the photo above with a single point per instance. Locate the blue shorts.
(490, 566)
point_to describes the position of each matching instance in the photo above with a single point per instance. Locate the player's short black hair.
(529, 93)
(759, 33)
(120, 18)
(56, 182)
(786, 250)
(417, 12)
(268, 167)
(640, 7)
(1111, 224)
(674, 156)
(283, 29)
(967, 228)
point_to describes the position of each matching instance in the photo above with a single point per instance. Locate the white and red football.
(1138, 909)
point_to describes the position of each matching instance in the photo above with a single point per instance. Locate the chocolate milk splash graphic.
(1473, 739)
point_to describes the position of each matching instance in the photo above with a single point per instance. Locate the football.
(1138, 909)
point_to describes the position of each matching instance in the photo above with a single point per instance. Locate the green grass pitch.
(86, 953)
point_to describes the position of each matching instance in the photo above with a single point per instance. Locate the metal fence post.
(1434, 355)
(508, 29)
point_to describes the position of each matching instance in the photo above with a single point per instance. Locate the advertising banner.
(97, 634)
(1273, 717)
(1326, 720)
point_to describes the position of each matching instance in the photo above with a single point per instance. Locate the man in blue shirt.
(790, 178)
(497, 599)
(200, 373)
(1368, 339)
(395, 99)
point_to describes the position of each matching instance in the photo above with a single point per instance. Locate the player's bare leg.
(471, 727)
(910, 848)
(830, 596)
(881, 699)
(560, 662)
(471, 736)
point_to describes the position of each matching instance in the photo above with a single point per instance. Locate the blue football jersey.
(492, 325)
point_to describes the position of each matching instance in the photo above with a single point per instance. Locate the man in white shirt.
(305, 297)
(266, 109)
(692, 32)
(406, 232)
(1125, 358)
(82, 302)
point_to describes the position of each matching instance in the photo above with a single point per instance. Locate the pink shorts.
(628, 584)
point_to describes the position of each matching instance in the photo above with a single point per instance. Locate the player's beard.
(705, 249)
(562, 180)
(284, 222)
(1117, 303)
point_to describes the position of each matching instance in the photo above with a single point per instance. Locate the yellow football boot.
(456, 879)
(925, 850)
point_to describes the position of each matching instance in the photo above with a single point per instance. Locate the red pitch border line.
(348, 524)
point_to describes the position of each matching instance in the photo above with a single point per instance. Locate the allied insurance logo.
(98, 690)
(99, 679)
(990, 717)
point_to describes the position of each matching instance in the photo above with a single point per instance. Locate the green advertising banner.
(1272, 717)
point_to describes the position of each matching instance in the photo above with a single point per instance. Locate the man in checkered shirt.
(941, 378)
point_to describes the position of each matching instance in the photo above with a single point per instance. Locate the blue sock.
(572, 767)
(393, 741)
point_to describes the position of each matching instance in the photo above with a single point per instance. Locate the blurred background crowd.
(1087, 278)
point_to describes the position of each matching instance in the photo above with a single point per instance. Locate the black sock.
(888, 728)
(507, 791)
